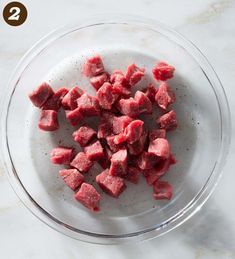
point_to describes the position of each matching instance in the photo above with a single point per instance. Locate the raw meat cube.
(94, 151)
(168, 121)
(137, 147)
(70, 99)
(120, 123)
(82, 162)
(160, 147)
(74, 116)
(157, 133)
(134, 131)
(119, 78)
(119, 163)
(112, 185)
(48, 120)
(105, 162)
(72, 178)
(133, 174)
(147, 160)
(128, 107)
(93, 66)
(104, 130)
(41, 94)
(145, 105)
(150, 92)
(164, 96)
(110, 141)
(54, 102)
(162, 71)
(119, 90)
(134, 74)
(119, 139)
(105, 96)
(88, 197)
(84, 135)
(62, 155)
(88, 105)
(98, 81)
(162, 190)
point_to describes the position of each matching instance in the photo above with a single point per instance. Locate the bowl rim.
(185, 213)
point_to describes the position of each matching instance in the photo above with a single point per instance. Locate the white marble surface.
(210, 24)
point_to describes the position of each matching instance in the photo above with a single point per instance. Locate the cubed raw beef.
(119, 139)
(98, 81)
(62, 155)
(72, 177)
(133, 174)
(88, 105)
(70, 99)
(145, 105)
(74, 116)
(110, 141)
(164, 96)
(120, 123)
(159, 147)
(82, 162)
(147, 160)
(88, 197)
(128, 107)
(150, 92)
(157, 133)
(134, 74)
(162, 71)
(119, 90)
(112, 185)
(93, 66)
(119, 163)
(105, 96)
(84, 135)
(134, 131)
(117, 77)
(54, 102)
(137, 147)
(94, 151)
(105, 162)
(162, 190)
(48, 120)
(104, 130)
(168, 121)
(41, 94)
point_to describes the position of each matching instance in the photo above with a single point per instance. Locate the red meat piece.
(88, 197)
(48, 120)
(105, 96)
(162, 190)
(133, 174)
(41, 94)
(70, 99)
(157, 133)
(164, 96)
(118, 78)
(105, 162)
(84, 135)
(54, 102)
(110, 141)
(119, 139)
(162, 71)
(119, 90)
(104, 130)
(74, 116)
(82, 162)
(128, 107)
(62, 155)
(145, 105)
(120, 123)
(168, 121)
(98, 81)
(147, 160)
(160, 147)
(134, 74)
(112, 185)
(88, 105)
(137, 147)
(134, 131)
(72, 178)
(119, 163)
(150, 92)
(94, 151)
(93, 66)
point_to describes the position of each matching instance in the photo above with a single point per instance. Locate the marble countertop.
(211, 232)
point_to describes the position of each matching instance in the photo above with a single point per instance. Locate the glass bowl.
(200, 144)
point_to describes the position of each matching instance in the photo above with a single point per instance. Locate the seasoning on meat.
(72, 177)
(48, 120)
(62, 155)
(70, 99)
(94, 151)
(82, 162)
(119, 163)
(84, 135)
(168, 121)
(162, 71)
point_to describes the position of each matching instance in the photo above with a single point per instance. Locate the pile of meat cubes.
(122, 145)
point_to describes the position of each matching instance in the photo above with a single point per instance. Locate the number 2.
(15, 13)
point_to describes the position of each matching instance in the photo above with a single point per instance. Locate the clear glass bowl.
(200, 144)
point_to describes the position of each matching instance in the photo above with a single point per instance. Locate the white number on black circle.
(15, 13)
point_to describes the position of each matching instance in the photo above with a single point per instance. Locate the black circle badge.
(15, 13)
